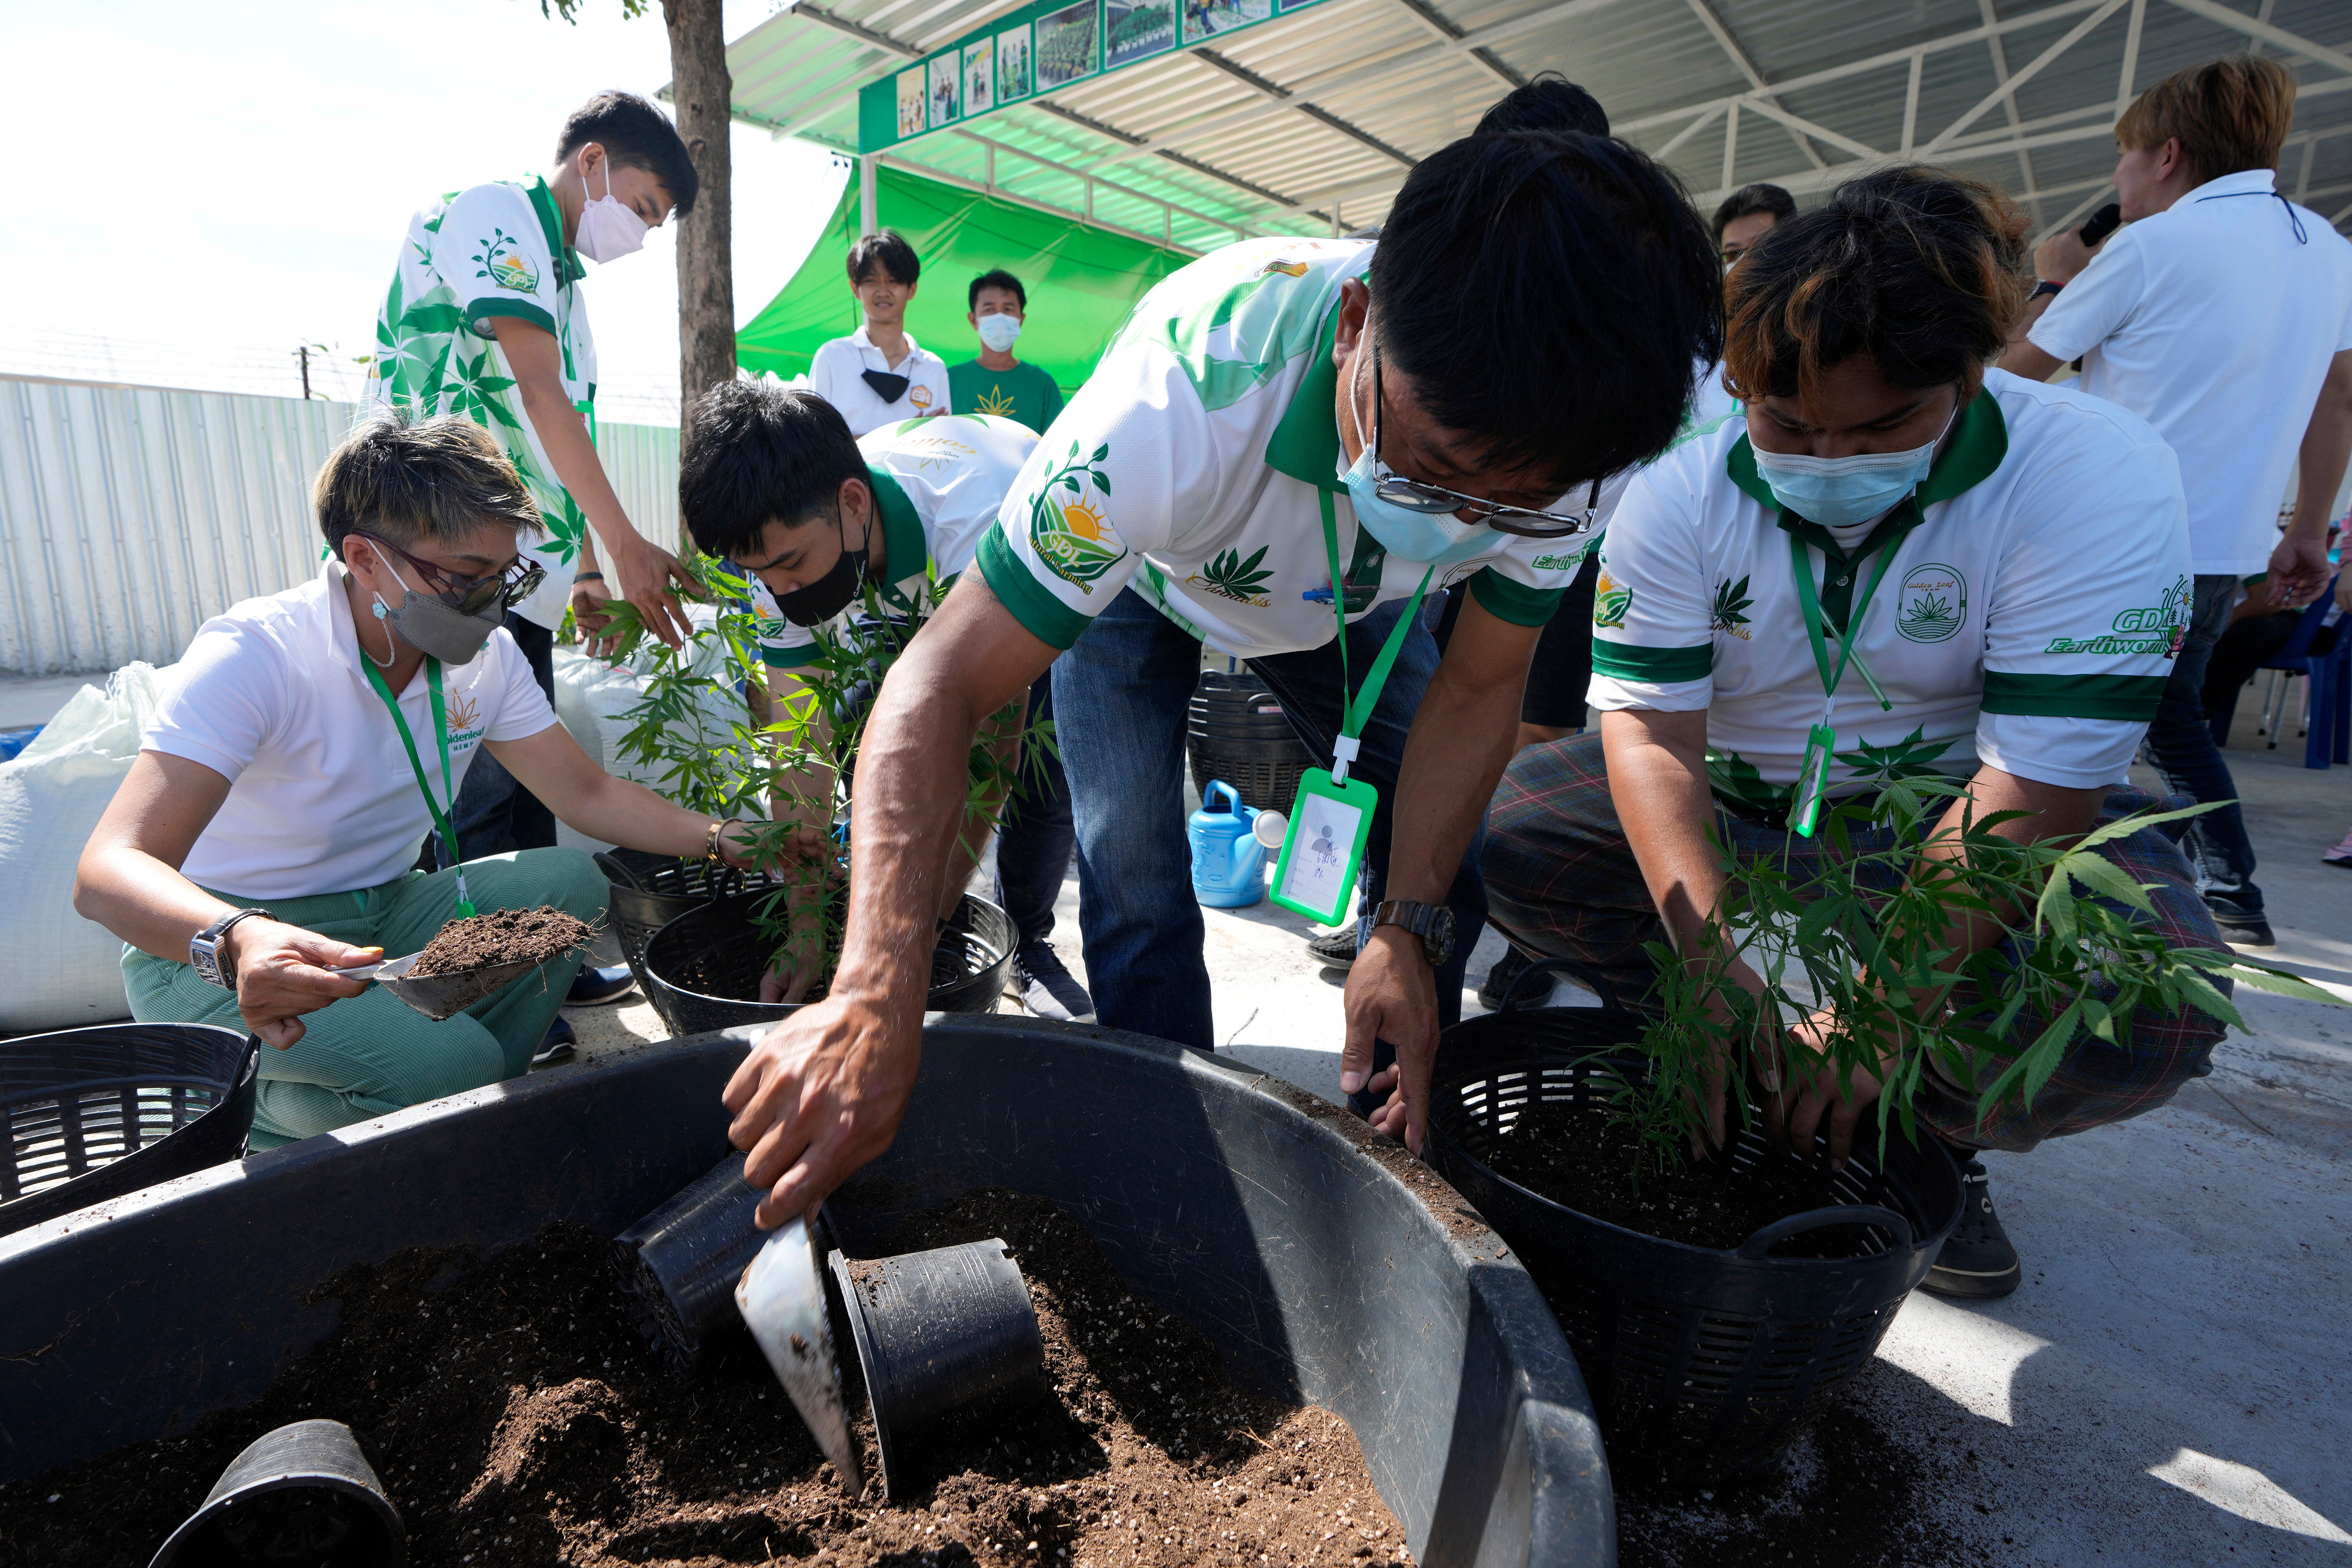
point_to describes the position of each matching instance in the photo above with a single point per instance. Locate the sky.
(220, 183)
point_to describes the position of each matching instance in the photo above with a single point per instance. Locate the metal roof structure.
(1312, 118)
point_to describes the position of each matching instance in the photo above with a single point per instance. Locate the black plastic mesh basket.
(1702, 1364)
(93, 1113)
(1237, 731)
(650, 890)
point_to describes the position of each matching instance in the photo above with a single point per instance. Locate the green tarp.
(1082, 281)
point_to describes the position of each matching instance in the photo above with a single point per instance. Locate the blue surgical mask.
(998, 332)
(1845, 493)
(1433, 538)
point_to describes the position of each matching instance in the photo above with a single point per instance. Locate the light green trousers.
(373, 1053)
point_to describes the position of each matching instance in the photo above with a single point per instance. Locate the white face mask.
(1000, 331)
(609, 230)
(1846, 492)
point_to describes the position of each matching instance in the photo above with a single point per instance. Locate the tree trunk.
(700, 90)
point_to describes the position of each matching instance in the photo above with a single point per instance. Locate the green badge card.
(1325, 846)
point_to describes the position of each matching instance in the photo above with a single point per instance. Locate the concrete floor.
(2173, 1384)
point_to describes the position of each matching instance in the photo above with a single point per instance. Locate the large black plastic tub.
(1326, 1264)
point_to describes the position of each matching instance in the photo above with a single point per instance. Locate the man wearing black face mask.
(770, 481)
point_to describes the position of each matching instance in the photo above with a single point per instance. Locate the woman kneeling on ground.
(269, 827)
(1970, 544)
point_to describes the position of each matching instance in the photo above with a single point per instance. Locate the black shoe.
(1337, 950)
(558, 1044)
(1496, 987)
(1978, 1263)
(1039, 983)
(2246, 933)
(592, 986)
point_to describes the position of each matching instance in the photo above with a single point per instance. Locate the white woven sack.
(64, 972)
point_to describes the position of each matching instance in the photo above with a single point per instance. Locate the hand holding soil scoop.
(471, 958)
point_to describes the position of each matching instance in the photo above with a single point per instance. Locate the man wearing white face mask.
(1889, 562)
(485, 319)
(996, 382)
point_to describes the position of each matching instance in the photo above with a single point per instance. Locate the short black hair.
(890, 247)
(756, 453)
(1760, 197)
(1553, 294)
(1547, 102)
(635, 135)
(996, 279)
(405, 478)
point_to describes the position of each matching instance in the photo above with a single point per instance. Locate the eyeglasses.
(1418, 495)
(472, 595)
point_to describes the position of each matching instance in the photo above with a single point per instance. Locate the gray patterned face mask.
(435, 628)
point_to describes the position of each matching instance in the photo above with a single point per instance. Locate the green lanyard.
(1821, 743)
(1358, 710)
(440, 733)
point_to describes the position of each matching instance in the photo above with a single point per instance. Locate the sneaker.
(1039, 983)
(2339, 856)
(2246, 933)
(594, 986)
(1334, 949)
(1496, 987)
(1978, 1263)
(558, 1044)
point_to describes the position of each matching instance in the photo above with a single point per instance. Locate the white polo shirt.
(2027, 616)
(2214, 321)
(1192, 465)
(321, 799)
(836, 375)
(937, 484)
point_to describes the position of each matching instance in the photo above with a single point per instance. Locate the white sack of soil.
(65, 972)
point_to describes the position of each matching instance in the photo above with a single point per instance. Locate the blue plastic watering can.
(1228, 862)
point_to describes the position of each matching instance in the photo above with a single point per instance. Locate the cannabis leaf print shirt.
(469, 261)
(1192, 466)
(2037, 594)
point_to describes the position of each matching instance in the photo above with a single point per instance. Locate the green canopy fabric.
(1081, 281)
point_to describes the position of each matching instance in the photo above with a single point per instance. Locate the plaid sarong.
(1562, 881)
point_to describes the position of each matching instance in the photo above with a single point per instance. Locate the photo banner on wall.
(1041, 48)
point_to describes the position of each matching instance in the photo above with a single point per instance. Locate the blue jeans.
(1121, 696)
(2180, 743)
(1032, 845)
(495, 815)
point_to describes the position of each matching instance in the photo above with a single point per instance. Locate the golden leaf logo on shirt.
(1068, 518)
(464, 712)
(996, 401)
(506, 266)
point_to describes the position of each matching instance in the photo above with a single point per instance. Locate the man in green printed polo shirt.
(996, 382)
(1999, 573)
(1289, 448)
(485, 318)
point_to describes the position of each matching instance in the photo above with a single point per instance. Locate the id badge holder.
(1324, 847)
(1812, 779)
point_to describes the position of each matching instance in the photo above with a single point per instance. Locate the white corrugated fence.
(130, 515)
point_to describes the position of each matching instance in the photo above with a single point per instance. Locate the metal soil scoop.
(781, 1298)
(438, 996)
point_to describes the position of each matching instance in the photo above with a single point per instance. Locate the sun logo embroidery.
(1288, 268)
(1610, 600)
(1068, 515)
(505, 266)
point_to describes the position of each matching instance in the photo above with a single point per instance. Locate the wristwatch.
(204, 948)
(2043, 287)
(1433, 923)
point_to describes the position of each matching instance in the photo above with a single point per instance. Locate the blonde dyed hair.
(404, 479)
(2229, 115)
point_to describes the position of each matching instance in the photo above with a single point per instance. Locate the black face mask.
(829, 594)
(889, 388)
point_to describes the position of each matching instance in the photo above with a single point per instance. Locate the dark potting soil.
(518, 1418)
(1584, 1158)
(503, 936)
(1846, 1495)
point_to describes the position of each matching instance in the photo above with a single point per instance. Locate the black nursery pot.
(1704, 1364)
(650, 890)
(699, 968)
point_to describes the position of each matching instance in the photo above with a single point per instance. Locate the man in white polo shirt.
(2221, 314)
(879, 374)
(1289, 448)
(268, 828)
(1957, 572)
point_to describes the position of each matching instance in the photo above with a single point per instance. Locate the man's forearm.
(1658, 782)
(1460, 743)
(2320, 463)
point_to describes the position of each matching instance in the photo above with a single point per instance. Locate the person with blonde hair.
(2221, 314)
(1962, 538)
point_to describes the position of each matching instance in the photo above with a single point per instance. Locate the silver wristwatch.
(204, 948)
